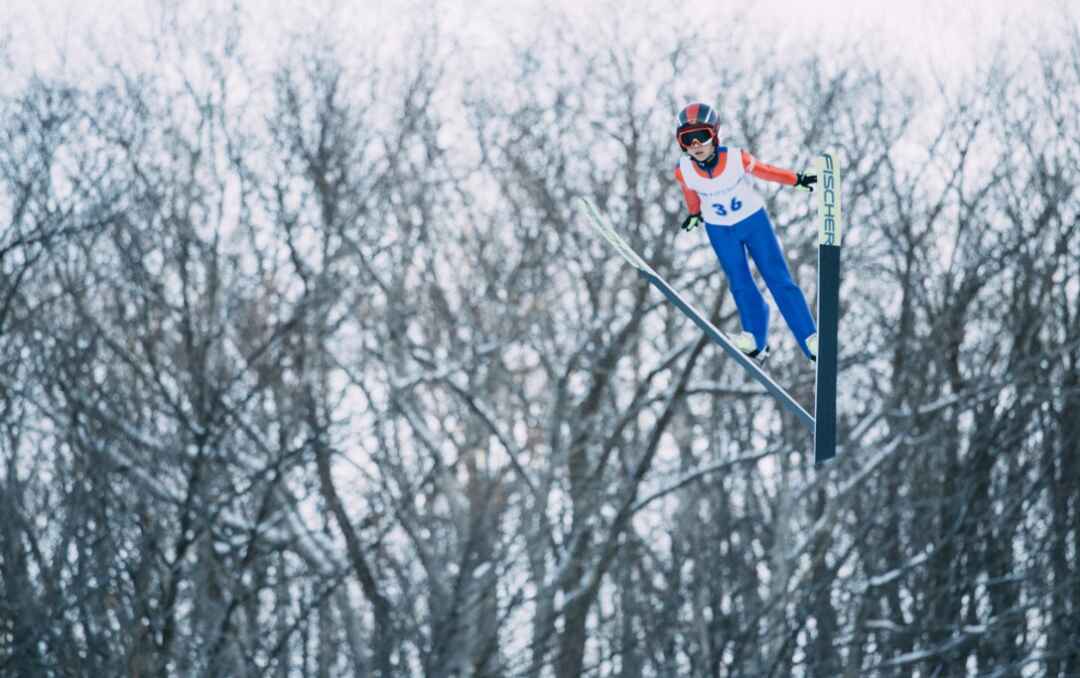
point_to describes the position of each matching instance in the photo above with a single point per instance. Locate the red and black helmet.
(696, 117)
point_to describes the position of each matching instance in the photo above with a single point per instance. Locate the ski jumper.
(738, 224)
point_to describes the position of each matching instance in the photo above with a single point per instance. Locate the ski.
(830, 237)
(749, 364)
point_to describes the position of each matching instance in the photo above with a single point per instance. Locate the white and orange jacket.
(721, 191)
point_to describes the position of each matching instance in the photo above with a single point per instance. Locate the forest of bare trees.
(311, 369)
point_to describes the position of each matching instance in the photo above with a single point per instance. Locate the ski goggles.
(701, 136)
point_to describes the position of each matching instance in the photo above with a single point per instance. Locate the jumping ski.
(830, 237)
(600, 224)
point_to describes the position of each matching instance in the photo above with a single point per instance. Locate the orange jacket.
(752, 166)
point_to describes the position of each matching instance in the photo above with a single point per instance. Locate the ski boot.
(745, 342)
(811, 345)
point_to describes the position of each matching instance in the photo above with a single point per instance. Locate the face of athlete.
(700, 151)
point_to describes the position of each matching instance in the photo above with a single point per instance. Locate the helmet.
(697, 116)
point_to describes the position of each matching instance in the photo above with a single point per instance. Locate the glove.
(691, 222)
(805, 182)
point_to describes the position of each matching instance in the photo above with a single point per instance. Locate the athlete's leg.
(753, 311)
(765, 248)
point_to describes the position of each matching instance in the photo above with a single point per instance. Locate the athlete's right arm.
(693, 200)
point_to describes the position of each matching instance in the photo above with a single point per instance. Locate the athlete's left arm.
(768, 172)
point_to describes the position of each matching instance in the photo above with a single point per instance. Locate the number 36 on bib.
(735, 206)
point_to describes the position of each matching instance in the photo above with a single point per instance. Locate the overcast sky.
(947, 34)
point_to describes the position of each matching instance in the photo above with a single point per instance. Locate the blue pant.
(755, 235)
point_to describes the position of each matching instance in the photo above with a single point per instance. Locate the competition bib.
(727, 198)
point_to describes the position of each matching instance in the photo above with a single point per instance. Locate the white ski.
(600, 224)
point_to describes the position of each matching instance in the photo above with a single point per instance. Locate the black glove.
(691, 222)
(805, 182)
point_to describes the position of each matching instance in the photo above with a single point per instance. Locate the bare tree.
(322, 374)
